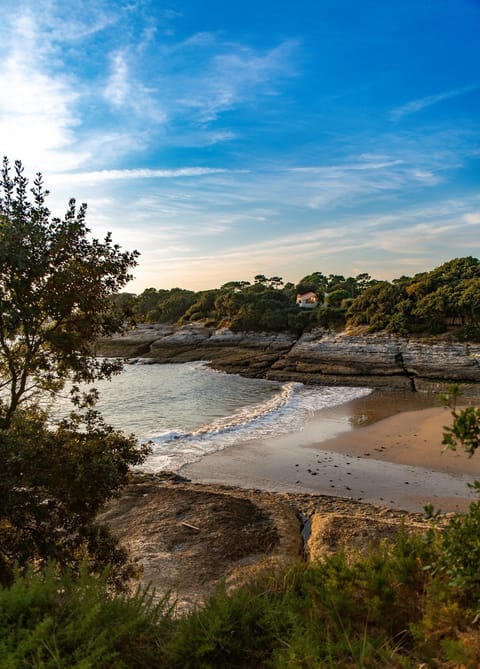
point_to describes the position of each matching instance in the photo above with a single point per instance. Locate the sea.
(189, 410)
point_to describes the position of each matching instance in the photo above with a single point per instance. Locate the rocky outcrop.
(375, 360)
(251, 354)
(188, 537)
(355, 535)
(135, 344)
(380, 361)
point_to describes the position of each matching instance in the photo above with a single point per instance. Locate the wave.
(239, 420)
(287, 411)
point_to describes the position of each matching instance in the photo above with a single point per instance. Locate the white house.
(307, 300)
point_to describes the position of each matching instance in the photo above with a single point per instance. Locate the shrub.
(49, 620)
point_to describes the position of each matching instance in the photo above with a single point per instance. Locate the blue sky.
(224, 140)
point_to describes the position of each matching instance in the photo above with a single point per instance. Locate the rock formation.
(320, 357)
(188, 537)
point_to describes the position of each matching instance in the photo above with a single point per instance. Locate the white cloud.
(356, 180)
(115, 175)
(125, 91)
(228, 75)
(429, 100)
(117, 89)
(83, 19)
(37, 116)
(425, 175)
(472, 218)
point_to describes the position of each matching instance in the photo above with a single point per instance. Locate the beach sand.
(385, 449)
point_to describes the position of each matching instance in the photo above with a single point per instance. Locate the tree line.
(445, 299)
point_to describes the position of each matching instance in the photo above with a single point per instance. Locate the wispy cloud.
(143, 90)
(83, 19)
(421, 103)
(226, 76)
(126, 92)
(117, 89)
(369, 177)
(116, 175)
(381, 245)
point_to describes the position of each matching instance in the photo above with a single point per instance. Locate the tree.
(465, 430)
(445, 298)
(363, 280)
(336, 296)
(203, 308)
(315, 283)
(175, 305)
(56, 288)
(147, 302)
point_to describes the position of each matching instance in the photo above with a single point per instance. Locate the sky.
(228, 139)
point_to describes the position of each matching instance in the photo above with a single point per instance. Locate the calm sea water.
(189, 410)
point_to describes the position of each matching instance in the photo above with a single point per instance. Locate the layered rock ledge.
(319, 357)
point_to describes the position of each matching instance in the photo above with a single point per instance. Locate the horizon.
(224, 142)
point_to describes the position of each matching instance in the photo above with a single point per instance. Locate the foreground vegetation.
(414, 604)
(445, 299)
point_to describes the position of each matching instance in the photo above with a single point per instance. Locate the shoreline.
(384, 449)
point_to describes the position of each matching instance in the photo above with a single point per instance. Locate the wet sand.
(384, 449)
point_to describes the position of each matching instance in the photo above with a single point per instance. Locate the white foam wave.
(286, 412)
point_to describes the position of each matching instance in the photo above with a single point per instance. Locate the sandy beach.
(384, 449)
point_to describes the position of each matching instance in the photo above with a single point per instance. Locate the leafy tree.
(465, 430)
(374, 307)
(126, 305)
(331, 317)
(164, 306)
(335, 282)
(458, 546)
(316, 282)
(235, 286)
(147, 303)
(363, 281)
(467, 301)
(56, 287)
(229, 300)
(336, 296)
(203, 308)
(171, 309)
(275, 282)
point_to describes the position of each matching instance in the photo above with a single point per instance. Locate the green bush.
(458, 555)
(330, 613)
(49, 621)
(412, 603)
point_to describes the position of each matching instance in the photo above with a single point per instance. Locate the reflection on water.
(378, 405)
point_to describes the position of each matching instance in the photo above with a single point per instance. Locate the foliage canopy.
(56, 285)
(448, 297)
